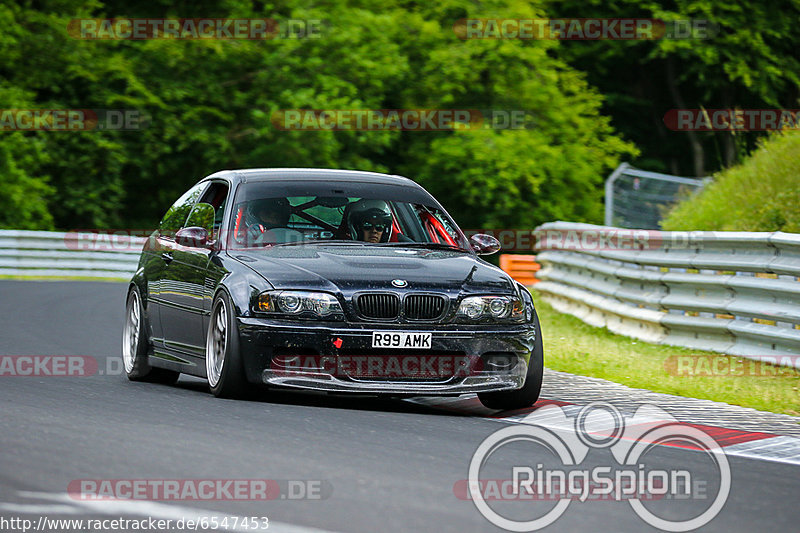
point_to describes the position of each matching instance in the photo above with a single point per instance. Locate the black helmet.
(374, 211)
(279, 208)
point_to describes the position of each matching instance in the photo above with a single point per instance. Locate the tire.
(135, 345)
(224, 369)
(529, 393)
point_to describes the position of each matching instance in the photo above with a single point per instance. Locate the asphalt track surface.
(386, 465)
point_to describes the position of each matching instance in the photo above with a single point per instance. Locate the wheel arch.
(140, 282)
(242, 286)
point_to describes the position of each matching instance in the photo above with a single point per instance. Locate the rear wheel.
(529, 393)
(135, 344)
(224, 367)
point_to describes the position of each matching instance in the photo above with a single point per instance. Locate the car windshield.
(264, 215)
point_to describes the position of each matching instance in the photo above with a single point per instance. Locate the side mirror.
(193, 237)
(484, 244)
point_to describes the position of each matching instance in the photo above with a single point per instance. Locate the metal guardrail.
(731, 292)
(50, 254)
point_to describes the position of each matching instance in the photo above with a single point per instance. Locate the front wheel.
(224, 367)
(529, 393)
(135, 344)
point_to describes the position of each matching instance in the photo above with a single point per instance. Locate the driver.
(370, 221)
(266, 214)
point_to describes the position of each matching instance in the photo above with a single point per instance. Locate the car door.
(188, 280)
(161, 254)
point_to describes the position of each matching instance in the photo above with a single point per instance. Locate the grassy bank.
(573, 346)
(760, 194)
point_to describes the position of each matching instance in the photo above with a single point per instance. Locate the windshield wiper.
(426, 245)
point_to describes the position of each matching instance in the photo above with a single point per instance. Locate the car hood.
(363, 267)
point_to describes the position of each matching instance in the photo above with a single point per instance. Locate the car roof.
(264, 174)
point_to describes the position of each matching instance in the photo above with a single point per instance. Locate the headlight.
(501, 308)
(298, 303)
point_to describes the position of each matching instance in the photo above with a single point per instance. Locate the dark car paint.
(178, 285)
(364, 266)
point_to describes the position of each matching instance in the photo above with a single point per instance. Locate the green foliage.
(24, 192)
(210, 104)
(750, 62)
(760, 194)
(23, 202)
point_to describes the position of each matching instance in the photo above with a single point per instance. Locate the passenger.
(370, 221)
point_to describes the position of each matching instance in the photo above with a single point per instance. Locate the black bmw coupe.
(330, 280)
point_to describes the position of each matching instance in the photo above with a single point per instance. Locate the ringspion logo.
(621, 468)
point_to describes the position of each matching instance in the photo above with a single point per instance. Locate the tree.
(210, 104)
(750, 61)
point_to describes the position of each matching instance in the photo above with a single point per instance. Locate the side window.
(177, 214)
(216, 196)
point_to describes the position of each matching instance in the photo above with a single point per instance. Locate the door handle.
(167, 257)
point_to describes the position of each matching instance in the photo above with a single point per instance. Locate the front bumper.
(267, 344)
(326, 381)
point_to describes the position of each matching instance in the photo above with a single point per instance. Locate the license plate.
(400, 339)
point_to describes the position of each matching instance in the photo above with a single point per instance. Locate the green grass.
(760, 194)
(572, 346)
